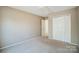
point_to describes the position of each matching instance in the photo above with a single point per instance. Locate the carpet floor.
(41, 45)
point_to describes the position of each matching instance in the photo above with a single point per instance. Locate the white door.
(61, 28)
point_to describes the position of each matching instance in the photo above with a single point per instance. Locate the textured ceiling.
(42, 10)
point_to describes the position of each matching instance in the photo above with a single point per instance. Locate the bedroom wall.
(18, 25)
(0, 26)
(74, 24)
(78, 22)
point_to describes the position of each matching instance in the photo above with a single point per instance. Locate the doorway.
(44, 25)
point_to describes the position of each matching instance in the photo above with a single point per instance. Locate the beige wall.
(18, 25)
(0, 26)
(78, 22)
(74, 26)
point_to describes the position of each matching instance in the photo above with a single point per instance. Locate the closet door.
(61, 28)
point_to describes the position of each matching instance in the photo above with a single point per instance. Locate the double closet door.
(61, 29)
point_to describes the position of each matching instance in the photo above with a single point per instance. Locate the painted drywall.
(18, 25)
(74, 27)
(0, 27)
(78, 22)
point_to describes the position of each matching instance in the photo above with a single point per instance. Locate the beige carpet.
(41, 45)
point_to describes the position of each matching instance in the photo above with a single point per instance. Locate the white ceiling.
(42, 10)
